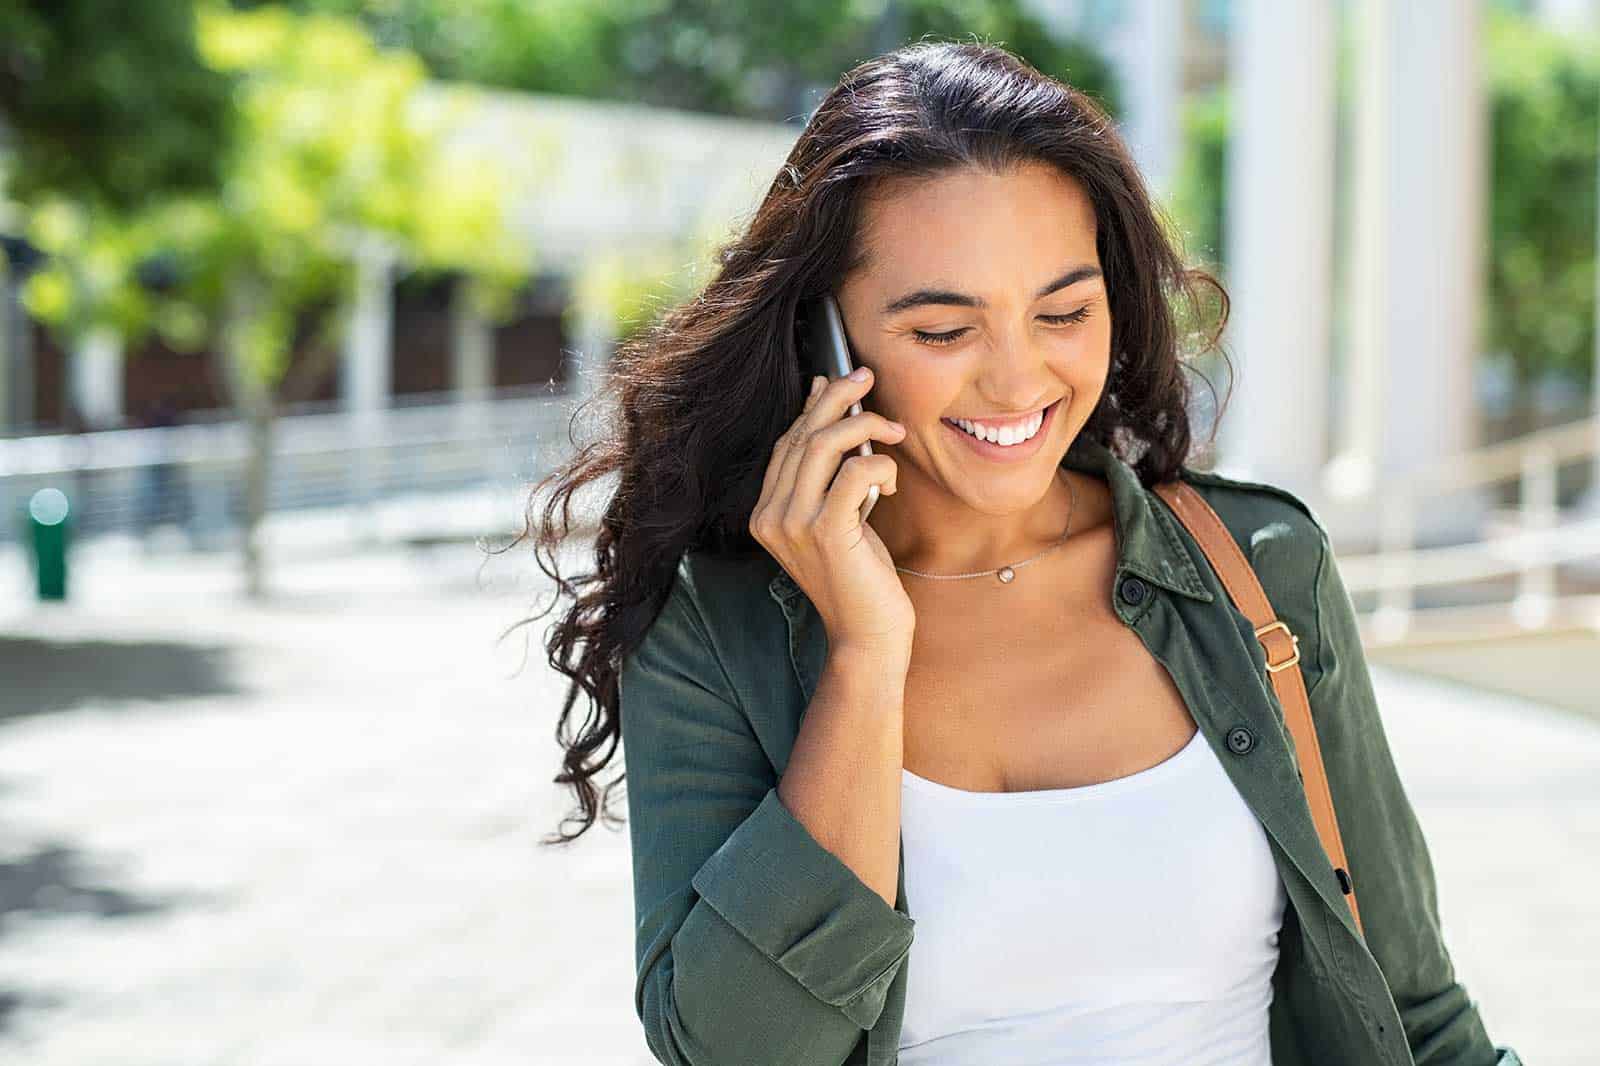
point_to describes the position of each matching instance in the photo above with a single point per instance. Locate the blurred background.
(297, 299)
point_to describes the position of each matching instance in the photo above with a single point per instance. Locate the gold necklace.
(1008, 574)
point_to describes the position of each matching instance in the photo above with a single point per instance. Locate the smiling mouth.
(1016, 431)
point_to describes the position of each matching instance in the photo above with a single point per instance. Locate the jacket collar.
(1149, 542)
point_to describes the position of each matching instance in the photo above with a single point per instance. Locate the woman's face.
(981, 301)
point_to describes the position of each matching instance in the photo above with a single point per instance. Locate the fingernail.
(816, 384)
(859, 373)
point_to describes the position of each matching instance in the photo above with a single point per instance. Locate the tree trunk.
(258, 480)
(252, 401)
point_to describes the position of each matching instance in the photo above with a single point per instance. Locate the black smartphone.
(829, 353)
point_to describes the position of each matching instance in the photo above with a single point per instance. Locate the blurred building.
(589, 179)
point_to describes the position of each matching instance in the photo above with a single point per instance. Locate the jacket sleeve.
(754, 943)
(1390, 867)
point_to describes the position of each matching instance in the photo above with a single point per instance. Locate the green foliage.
(748, 60)
(107, 102)
(91, 253)
(1008, 24)
(1198, 205)
(630, 289)
(1545, 97)
(336, 145)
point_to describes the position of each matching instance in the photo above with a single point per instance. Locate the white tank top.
(1131, 921)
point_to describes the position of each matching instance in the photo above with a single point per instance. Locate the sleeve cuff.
(807, 911)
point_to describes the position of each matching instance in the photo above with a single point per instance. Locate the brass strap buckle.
(1294, 658)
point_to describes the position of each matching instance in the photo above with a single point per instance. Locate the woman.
(995, 777)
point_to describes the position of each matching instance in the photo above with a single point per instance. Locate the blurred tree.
(1544, 99)
(1544, 92)
(770, 62)
(107, 102)
(337, 148)
(1198, 207)
(766, 61)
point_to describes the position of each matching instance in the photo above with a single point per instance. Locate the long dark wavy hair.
(699, 396)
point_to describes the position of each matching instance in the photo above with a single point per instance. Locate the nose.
(1014, 376)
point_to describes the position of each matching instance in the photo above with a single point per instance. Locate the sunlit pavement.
(308, 833)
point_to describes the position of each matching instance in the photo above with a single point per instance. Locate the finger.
(828, 406)
(818, 383)
(786, 440)
(823, 454)
(790, 442)
(841, 506)
(835, 399)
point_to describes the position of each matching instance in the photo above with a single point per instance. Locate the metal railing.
(1526, 543)
(409, 470)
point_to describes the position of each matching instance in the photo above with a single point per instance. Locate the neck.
(928, 529)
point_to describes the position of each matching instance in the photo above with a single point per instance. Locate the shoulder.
(1262, 517)
(731, 600)
(1285, 541)
(726, 589)
(708, 597)
(709, 625)
(748, 632)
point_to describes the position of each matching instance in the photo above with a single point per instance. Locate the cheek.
(919, 397)
(1085, 362)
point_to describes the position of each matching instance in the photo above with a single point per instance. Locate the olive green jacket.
(756, 946)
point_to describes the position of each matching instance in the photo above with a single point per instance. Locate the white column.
(1358, 439)
(471, 358)
(1569, 14)
(94, 377)
(1279, 241)
(1149, 62)
(471, 346)
(597, 336)
(1425, 212)
(365, 372)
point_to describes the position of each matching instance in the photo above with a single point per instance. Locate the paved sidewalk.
(307, 834)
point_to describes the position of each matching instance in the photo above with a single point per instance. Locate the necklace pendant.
(1005, 574)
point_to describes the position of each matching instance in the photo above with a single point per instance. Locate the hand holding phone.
(830, 357)
(809, 516)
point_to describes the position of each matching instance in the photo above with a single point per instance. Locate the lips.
(1007, 452)
(1014, 421)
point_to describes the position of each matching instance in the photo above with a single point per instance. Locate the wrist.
(872, 661)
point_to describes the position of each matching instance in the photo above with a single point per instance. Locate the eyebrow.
(922, 297)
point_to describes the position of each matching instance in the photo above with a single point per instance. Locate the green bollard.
(47, 521)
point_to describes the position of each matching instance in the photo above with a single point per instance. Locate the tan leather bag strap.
(1282, 651)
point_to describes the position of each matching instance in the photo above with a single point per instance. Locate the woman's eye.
(937, 338)
(952, 336)
(1077, 316)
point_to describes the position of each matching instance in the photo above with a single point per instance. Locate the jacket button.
(1132, 590)
(1240, 740)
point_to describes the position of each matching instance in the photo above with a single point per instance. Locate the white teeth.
(1004, 436)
